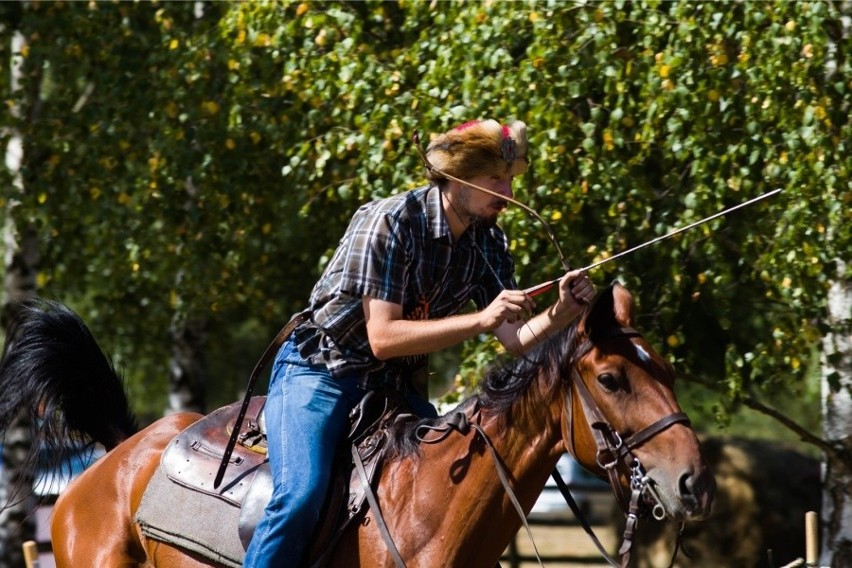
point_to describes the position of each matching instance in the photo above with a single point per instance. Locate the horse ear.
(623, 303)
(613, 307)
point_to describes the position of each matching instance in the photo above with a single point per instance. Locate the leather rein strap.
(377, 512)
(460, 423)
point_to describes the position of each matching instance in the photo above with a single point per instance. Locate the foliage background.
(203, 158)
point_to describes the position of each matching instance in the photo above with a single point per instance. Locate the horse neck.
(530, 428)
(470, 519)
(527, 436)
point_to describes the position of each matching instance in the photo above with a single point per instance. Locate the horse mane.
(504, 385)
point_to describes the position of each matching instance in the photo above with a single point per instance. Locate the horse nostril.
(685, 484)
(697, 490)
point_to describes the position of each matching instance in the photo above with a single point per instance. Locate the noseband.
(614, 453)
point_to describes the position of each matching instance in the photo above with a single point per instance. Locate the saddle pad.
(202, 523)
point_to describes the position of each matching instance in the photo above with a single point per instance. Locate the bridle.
(614, 452)
(615, 456)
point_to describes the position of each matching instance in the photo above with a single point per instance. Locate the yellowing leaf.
(171, 109)
(210, 107)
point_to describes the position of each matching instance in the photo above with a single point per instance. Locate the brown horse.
(443, 502)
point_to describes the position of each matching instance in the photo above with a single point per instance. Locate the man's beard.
(484, 222)
(476, 220)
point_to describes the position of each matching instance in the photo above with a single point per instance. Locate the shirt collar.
(435, 214)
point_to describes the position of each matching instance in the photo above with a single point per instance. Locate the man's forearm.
(400, 338)
(521, 337)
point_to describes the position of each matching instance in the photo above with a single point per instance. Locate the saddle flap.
(193, 457)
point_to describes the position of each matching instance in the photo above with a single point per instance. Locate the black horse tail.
(53, 369)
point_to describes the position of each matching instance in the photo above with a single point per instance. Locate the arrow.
(542, 288)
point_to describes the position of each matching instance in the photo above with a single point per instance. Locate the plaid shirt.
(399, 250)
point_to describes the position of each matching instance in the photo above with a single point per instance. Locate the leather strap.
(566, 494)
(374, 505)
(459, 422)
(270, 352)
(597, 424)
(504, 479)
(649, 432)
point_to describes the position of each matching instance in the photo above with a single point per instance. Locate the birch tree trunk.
(836, 387)
(836, 549)
(21, 255)
(188, 369)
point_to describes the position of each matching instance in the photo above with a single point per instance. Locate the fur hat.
(479, 147)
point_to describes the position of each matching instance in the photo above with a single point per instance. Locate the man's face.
(483, 208)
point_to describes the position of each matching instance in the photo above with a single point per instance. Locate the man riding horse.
(404, 270)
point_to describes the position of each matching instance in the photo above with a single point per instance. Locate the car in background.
(593, 495)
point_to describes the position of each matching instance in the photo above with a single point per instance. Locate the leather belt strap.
(270, 352)
(504, 479)
(649, 432)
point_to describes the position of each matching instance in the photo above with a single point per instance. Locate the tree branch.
(785, 420)
(803, 433)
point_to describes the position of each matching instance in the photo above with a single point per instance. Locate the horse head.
(622, 419)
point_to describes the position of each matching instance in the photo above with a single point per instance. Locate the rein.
(461, 423)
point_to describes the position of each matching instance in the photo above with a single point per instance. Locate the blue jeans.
(307, 414)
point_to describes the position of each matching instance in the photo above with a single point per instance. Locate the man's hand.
(576, 290)
(510, 306)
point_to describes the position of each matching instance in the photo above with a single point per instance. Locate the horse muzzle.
(689, 499)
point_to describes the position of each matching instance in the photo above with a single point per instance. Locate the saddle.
(193, 457)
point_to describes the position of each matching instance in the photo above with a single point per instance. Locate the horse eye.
(608, 382)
